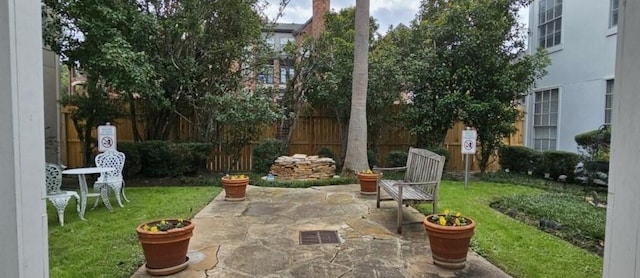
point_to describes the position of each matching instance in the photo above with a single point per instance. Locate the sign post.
(106, 137)
(468, 145)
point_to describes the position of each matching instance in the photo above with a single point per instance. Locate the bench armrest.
(407, 183)
(375, 169)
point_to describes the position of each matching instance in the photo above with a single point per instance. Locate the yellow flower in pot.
(449, 236)
(165, 244)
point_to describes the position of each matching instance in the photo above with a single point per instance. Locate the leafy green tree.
(93, 106)
(64, 79)
(356, 154)
(432, 71)
(240, 119)
(166, 60)
(199, 49)
(469, 64)
(166, 55)
(105, 39)
(385, 85)
(498, 72)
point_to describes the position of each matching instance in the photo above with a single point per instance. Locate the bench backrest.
(425, 166)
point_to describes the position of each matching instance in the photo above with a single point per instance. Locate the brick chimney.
(320, 8)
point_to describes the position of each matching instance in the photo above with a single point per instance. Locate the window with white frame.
(545, 120)
(549, 22)
(608, 103)
(613, 13)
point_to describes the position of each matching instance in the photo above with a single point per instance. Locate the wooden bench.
(423, 172)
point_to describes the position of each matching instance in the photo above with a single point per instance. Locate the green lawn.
(519, 249)
(106, 245)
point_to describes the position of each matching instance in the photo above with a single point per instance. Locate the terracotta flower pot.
(449, 244)
(165, 252)
(368, 183)
(235, 189)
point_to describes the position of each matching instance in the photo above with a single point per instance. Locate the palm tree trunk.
(356, 156)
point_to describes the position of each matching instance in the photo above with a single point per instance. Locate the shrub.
(397, 159)
(558, 163)
(326, 152)
(187, 158)
(132, 163)
(266, 153)
(163, 158)
(179, 162)
(596, 143)
(518, 159)
(443, 152)
(591, 141)
(154, 157)
(372, 158)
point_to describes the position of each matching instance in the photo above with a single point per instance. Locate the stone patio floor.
(259, 237)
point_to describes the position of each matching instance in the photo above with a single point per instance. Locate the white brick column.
(622, 242)
(24, 251)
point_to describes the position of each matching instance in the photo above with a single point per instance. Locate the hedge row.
(521, 159)
(167, 159)
(163, 158)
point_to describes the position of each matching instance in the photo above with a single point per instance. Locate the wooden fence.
(311, 134)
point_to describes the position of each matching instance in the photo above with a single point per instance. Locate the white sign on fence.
(106, 137)
(469, 138)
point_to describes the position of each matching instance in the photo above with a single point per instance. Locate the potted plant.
(449, 235)
(368, 182)
(165, 244)
(235, 187)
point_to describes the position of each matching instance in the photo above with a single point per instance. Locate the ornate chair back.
(113, 159)
(54, 178)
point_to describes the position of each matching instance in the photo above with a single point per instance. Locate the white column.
(622, 241)
(23, 231)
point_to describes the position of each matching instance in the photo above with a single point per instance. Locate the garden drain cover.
(318, 237)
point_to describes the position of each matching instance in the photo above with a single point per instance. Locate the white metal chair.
(58, 197)
(113, 159)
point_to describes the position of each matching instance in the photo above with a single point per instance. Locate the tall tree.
(432, 73)
(356, 156)
(97, 38)
(385, 86)
(167, 55)
(92, 106)
(501, 73)
(468, 64)
(198, 50)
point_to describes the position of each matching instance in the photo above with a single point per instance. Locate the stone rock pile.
(301, 166)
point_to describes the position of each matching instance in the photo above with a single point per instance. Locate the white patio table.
(84, 190)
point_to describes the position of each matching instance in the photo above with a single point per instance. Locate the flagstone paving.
(259, 237)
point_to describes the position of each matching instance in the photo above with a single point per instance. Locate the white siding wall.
(622, 237)
(24, 249)
(580, 66)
